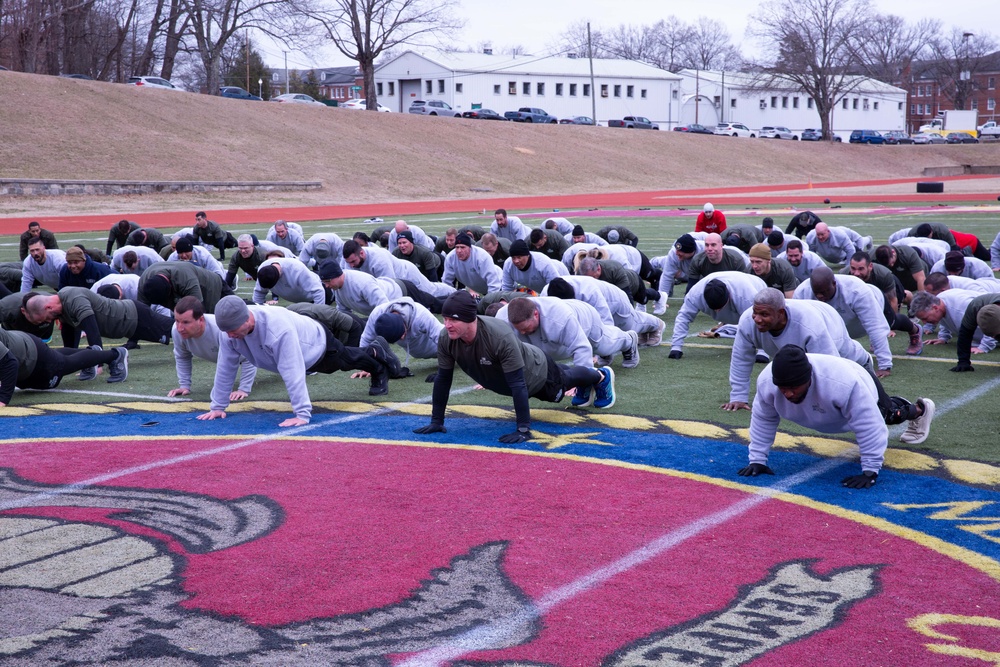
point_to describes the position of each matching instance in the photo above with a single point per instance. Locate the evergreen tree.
(234, 71)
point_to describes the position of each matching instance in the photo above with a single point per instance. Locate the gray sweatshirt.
(205, 347)
(743, 287)
(296, 284)
(422, 329)
(535, 276)
(47, 273)
(478, 272)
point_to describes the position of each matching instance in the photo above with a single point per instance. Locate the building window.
(975, 104)
(732, 102)
(440, 85)
(899, 107)
(920, 91)
(559, 90)
(430, 87)
(618, 90)
(496, 89)
(392, 88)
(991, 82)
(274, 76)
(795, 103)
(604, 90)
(572, 90)
(642, 93)
(991, 104)
(540, 89)
(875, 106)
(629, 91)
(512, 87)
(526, 88)
(845, 104)
(378, 89)
(458, 87)
(810, 103)
(673, 93)
(586, 90)
(784, 102)
(854, 104)
(774, 102)
(913, 109)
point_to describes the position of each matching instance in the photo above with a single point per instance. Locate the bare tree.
(631, 42)
(889, 46)
(710, 46)
(672, 38)
(574, 40)
(363, 29)
(807, 45)
(958, 57)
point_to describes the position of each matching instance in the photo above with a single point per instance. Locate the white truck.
(953, 121)
(989, 129)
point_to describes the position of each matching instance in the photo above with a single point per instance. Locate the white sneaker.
(654, 338)
(631, 355)
(660, 307)
(918, 429)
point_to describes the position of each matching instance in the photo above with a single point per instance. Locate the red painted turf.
(812, 194)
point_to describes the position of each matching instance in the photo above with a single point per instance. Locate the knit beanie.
(578, 230)
(157, 289)
(686, 243)
(988, 319)
(760, 251)
(716, 294)
(390, 326)
(231, 313)
(184, 245)
(75, 254)
(775, 238)
(330, 269)
(463, 239)
(791, 367)
(954, 261)
(613, 236)
(519, 249)
(459, 306)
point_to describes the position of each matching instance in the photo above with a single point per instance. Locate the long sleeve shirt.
(422, 329)
(47, 273)
(281, 342)
(535, 276)
(478, 272)
(812, 325)
(296, 283)
(810, 262)
(836, 249)
(512, 231)
(559, 333)
(974, 268)
(327, 244)
(205, 347)
(842, 397)
(145, 255)
(361, 292)
(862, 306)
(742, 289)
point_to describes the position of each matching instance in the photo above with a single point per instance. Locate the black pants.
(428, 301)
(152, 326)
(340, 357)
(54, 363)
(561, 377)
(894, 409)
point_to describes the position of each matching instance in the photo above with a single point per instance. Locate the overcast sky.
(537, 24)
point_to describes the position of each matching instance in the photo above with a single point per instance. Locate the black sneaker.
(119, 367)
(380, 350)
(379, 382)
(87, 374)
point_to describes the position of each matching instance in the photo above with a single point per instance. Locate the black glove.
(675, 354)
(963, 367)
(520, 435)
(754, 469)
(431, 428)
(863, 481)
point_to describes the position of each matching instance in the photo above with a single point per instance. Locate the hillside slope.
(62, 128)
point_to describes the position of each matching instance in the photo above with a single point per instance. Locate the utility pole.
(593, 90)
(247, 37)
(286, 71)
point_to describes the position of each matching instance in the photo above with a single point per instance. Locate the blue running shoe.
(584, 397)
(605, 389)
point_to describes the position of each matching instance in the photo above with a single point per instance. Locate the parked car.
(928, 138)
(866, 137)
(960, 138)
(483, 114)
(296, 98)
(530, 115)
(777, 132)
(433, 108)
(577, 120)
(895, 137)
(357, 103)
(634, 123)
(85, 77)
(734, 130)
(237, 93)
(152, 82)
(693, 128)
(811, 134)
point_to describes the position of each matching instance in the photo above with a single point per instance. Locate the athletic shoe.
(660, 306)
(583, 398)
(385, 356)
(653, 339)
(632, 354)
(87, 374)
(604, 361)
(918, 429)
(916, 342)
(119, 367)
(762, 358)
(605, 389)
(380, 382)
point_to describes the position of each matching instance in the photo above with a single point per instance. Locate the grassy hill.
(63, 128)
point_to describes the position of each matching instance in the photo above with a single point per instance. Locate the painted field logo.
(790, 604)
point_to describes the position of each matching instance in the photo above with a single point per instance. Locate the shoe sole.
(929, 409)
(124, 362)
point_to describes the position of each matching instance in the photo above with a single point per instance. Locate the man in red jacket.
(710, 220)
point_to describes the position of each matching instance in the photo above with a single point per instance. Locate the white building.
(728, 97)
(559, 85)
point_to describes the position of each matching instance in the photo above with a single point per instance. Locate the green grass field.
(690, 389)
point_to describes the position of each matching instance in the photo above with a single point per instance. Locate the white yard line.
(112, 394)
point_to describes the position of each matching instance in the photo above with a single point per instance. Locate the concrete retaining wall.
(51, 188)
(962, 170)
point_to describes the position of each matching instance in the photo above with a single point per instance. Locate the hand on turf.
(979, 350)
(212, 414)
(935, 341)
(735, 405)
(293, 421)
(360, 374)
(675, 354)
(180, 391)
(863, 481)
(883, 372)
(516, 437)
(962, 367)
(754, 469)
(238, 395)
(431, 428)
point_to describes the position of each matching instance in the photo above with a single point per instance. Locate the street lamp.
(965, 76)
(260, 88)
